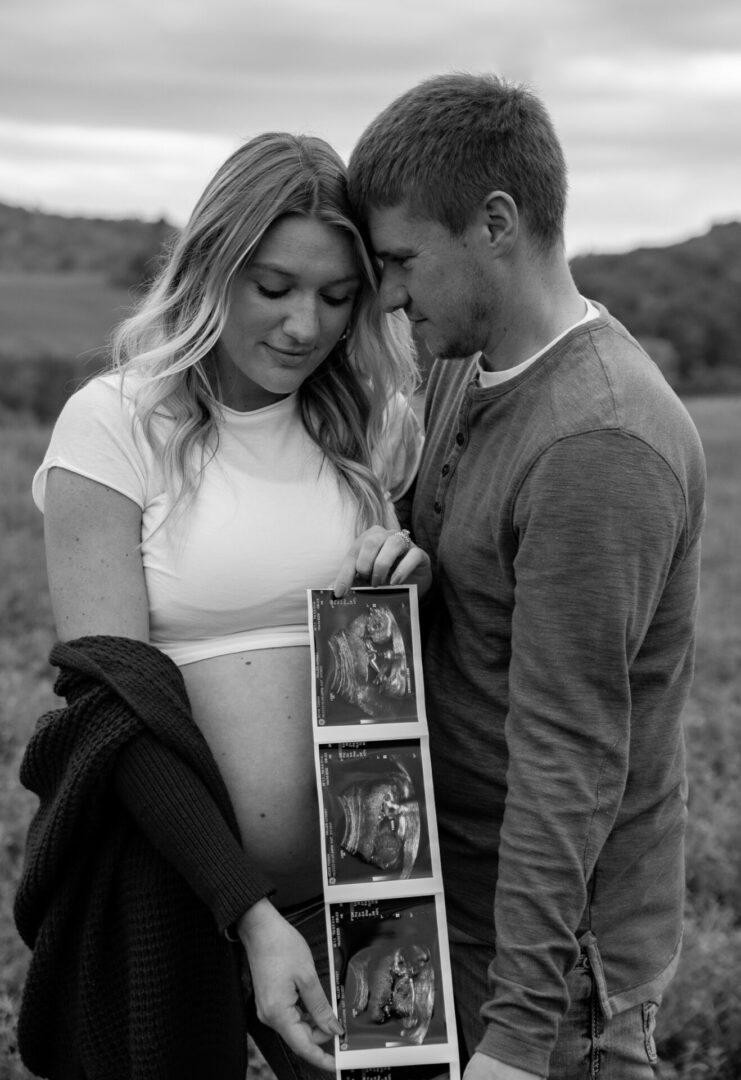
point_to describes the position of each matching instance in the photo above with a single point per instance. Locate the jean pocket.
(650, 1009)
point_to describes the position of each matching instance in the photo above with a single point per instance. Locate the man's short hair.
(446, 143)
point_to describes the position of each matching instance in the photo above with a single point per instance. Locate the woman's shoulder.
(97, 436)
(109, 389)
(111, 402)
(105, 397)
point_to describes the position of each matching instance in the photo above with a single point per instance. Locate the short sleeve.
(96, 436)
(396, 456)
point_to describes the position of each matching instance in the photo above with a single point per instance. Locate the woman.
(256, 422)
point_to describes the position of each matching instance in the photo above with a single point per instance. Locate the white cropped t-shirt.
(269, 520)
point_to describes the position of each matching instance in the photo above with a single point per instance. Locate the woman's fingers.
(317, 1007)
(304, 1038)
(359, 560)
(378, 557)
(283, 975)
(409, 566)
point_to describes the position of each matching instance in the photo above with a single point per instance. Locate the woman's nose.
(302, 321)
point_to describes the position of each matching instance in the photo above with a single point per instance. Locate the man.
(561, 499)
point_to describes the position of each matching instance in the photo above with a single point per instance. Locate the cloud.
(107, 172)
(646, 94)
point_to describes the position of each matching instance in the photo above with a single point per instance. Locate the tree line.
(682, 301)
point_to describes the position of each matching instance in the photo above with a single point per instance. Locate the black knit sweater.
(133, 869)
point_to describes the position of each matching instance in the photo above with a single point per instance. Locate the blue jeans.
(588, 1046)
(310, 921)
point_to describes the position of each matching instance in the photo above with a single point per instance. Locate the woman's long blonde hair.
(178, 322)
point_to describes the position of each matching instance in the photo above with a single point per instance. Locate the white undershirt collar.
(496, 378)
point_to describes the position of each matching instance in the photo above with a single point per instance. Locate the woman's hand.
(288, 995)
(384, 557)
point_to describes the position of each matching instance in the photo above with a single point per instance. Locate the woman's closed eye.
(278, 294)
(271, 294)
(338, 301)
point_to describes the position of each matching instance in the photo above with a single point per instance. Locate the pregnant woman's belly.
(254, 709)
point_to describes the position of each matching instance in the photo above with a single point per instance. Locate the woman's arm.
(96, 577)
(180, 819)
(173, 809)
(288, 994)
(96, 581)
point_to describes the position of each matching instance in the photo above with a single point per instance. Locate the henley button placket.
(460, 439)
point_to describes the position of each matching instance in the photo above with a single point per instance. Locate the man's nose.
(302, 321)
(392, 293)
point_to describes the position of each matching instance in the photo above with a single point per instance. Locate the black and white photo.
(374, 811)
(387, 973)
(364, 657)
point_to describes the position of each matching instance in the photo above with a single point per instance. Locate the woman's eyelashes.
(278, 294)
(271, 294)
(338, 301)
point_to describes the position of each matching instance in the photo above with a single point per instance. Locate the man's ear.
(501, 221)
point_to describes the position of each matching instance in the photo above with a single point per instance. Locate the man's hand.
(384, 556)
(288, 995)
(483, 1067)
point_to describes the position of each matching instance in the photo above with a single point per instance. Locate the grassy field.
(59, 315)
(700, 1023)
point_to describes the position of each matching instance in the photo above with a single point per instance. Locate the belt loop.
(588, 942)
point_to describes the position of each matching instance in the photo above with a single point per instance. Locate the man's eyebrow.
(277, 269)
(402, 253)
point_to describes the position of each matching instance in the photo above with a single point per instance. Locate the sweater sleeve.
(601, 523)
(175, 811)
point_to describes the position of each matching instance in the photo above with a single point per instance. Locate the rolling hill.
(65, 281)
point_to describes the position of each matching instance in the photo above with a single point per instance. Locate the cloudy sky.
(126, 107)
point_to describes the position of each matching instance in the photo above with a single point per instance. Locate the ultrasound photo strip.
(383, 891)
